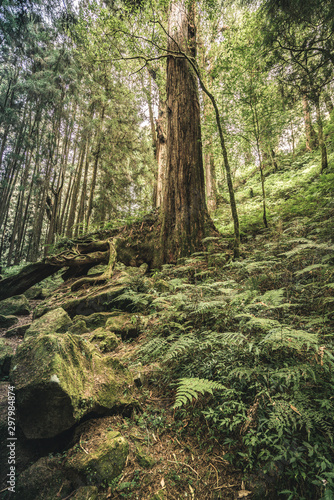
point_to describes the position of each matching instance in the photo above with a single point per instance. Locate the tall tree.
(184, 212)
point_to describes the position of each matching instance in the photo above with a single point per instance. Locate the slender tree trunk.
(95, 168)
(323, 149)
(309, 131)
(328, 102)
(184, 211)
(75, 192)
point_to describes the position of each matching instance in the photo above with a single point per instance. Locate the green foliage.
(190, 388)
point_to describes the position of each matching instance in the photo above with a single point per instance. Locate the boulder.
(56, 321)
(8, 321)
(79, 327)
(101, 459)
(35, 293)
(6, 354)
(59, 378)
(96, 320)
(143, 459)
(103, 339)
(17, 331)
(89, 303)
(44, 480)
(17, 305)
(126, 325)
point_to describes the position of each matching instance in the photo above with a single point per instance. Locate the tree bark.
(309, 131)
(323, 149)
(184, 211)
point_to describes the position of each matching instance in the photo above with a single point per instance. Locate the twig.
(217, 477)
(182, 463)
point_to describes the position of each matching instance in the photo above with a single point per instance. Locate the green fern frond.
(183, 345)
(288, 337)
(190, 388)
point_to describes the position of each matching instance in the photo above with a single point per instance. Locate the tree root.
(107, 275)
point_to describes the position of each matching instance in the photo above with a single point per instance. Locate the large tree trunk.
(184, 211)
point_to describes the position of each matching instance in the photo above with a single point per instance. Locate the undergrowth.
(248, 345)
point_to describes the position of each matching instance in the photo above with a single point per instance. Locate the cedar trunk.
(184, 211)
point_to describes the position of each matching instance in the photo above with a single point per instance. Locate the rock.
(143, 459)
(17, 331)
(34, 293)
(6, 354)
(8, 321)
(59, 378)
(90, 302)
(17, 305)
(104, 458)
(43, 481)
(56, 321)
(96, 320)
(105, 340)
(78, 327)
(125, 324)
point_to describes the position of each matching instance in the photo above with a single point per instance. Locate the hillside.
(208, 379)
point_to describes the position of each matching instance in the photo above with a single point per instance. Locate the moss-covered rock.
(59, 378)
(57, 321)
(105, 340)
(88, 303)
(105, 459)
(43, 480)
(126, 325)
(17, 331)
(79, 327)
(142, 458)
(96, 320)
(17, 305)
(8, 321)
(35, 293)
(6, 354)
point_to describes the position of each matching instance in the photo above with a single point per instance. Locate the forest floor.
(261, 326)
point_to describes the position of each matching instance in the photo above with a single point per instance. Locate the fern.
(288, 337)
(190, 388)
(321, 247)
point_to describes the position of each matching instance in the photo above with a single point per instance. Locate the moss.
(57, 321)
(6, 354)
(143, 459)
(8, 321)
(105, 340)
(34, 293)
(17, 331)
(96, 320)
(89, 303)
(43, 481)
(17, 305)
(105, 459)
(59, 378)
(123, 325)
(79, 327)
